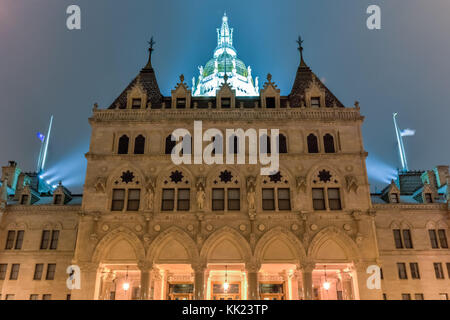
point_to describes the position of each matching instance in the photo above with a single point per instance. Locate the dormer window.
(181, 103)
(136, 104)
(270, 102)
(393, 198)
(57, 199)
(226, 102)
(428, 198)
(24, 199)
(315, 102)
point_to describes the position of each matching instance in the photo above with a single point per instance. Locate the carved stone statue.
(150, 186)
(251, 194)
(301, 183)
(100, 185)
(352, 183)
(251, 199)
(200, 197)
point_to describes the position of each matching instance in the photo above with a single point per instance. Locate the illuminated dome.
(225, 61)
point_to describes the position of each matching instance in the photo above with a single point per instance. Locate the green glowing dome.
(223, 60)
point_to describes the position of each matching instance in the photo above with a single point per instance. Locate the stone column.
(252, 281)
(299, 276)
(199, 281)
(90, 282)
(307, 269)
(145, 268)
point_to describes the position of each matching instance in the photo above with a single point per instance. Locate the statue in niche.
(251, 193)
(200, 197)
(150, 186)
(100, 185)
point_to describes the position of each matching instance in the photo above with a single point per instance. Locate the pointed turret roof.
(303, 80)
(147, 79)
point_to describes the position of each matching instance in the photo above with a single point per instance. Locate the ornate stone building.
(146, 228)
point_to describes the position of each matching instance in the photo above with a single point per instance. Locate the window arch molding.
(312, 147)
(283, 200)
(117, 181)
(324, 177)
(176, 178)
(226, 178)
(122, 145)
(139, 147)
(329, 143)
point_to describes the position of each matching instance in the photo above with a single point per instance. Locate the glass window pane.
(234, 199)
(443, 238)
(133, 199)
(334, 199)
(268, 196)
(398, 239)
(19, 239)
(407, 239)
(218, 199)
(168, 198)
(3, 268)
(38, 271)
(54, 242)
(284, 202)
(318, 199)
(10, 239)
(433, 239)
(183, 199)
(118, 199)
(51, 268)
(14, 272)
(45, 239)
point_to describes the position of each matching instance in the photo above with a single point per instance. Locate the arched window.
(123, 144)
(139, 144)
(282, 147)
(265, 146)
(328, 143)
(186, 145)
(170, 144)
(313, 146)
(233, 144)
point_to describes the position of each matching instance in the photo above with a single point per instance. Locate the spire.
(300, 48)
(147, 79)
(151, 43)
(304, 78)
(225, 33)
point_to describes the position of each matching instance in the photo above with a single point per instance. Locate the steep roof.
(147, 79)
(303, 80)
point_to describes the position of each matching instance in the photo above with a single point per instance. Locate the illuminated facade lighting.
(225, 62)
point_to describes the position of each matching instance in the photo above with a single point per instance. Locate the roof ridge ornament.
(151, 43)
(300, 48)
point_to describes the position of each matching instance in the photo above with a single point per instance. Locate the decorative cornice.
(17, 208)
(415, 206)
(157, 115)
(289, 156)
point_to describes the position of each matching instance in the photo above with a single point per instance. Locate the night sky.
(46, 69)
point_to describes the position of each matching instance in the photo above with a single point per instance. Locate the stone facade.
(149, 229)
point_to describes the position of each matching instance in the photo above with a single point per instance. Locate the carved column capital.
(145, 266)
(307, 266)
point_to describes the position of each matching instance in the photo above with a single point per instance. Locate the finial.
(181, 78)
(300, 48)
(225, 77)
(356, 104)
(151, 43)
(95, 106)
(269, 77)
